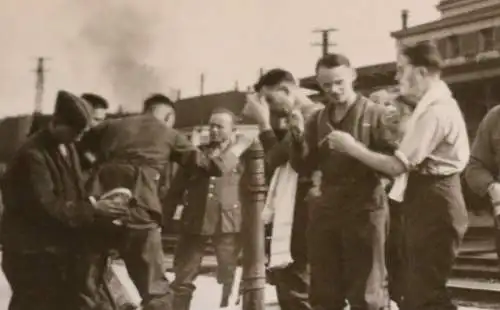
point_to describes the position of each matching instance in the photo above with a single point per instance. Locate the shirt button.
(212, 178)
(210, 195)
(235, 206)
(211, 186)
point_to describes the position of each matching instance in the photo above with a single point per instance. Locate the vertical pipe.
(254, 273)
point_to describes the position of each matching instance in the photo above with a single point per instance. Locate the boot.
(226, 293)
(182, 301)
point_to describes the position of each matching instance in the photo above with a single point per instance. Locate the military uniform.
(132, 152)
(212, 211)
(348, 226)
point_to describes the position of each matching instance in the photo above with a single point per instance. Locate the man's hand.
(241, 144)
(257, 108)
(296, 123)
(110, 209)
(340, 141)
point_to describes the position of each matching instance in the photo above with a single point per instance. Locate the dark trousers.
(347, 258)
(292, 286)
(435, 221)
(142, 252)
(40, 281)
(292, 282)
(189, 255)
(395, 254)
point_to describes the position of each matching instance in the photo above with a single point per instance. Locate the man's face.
(98, 115)
(337, 82)
(280, 97)
(65, 134)
(411, 79)
(221, 127)
(165, 113)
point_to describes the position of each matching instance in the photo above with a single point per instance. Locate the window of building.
(453, 47)
(487, 39)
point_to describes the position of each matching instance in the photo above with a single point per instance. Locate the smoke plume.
(121, 34)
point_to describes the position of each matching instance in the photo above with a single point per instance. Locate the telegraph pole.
(202, 84)
(325, 44)
(40, 84)
(39, 90)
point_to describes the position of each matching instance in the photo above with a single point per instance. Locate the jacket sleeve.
(385, 129)
(304, 150)
(89, 145)
(187, 154)
(42, 188)
(482, 168)
(175, 193)
(276, 152)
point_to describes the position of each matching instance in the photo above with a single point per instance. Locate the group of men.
(359, 164)
(379, 165)
(59, 227)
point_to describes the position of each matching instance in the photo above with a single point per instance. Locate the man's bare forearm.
(386, 164)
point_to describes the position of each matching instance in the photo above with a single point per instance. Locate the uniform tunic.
(213, 207)
(347, 231)
(132, 152)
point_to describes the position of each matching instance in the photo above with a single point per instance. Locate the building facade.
(468, 37)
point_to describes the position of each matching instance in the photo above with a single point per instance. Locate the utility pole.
(261, 72)
(202, 84)
(236, 85)
(325, 44)
(40, 84)
(179, 94)
(39, 91)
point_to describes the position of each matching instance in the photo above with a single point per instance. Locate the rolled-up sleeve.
(482, 168)
(420, 142)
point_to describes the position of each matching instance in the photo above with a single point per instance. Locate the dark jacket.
(45, 203)
(277, 153)
(133, 152)
(345, 180)
(212, 204)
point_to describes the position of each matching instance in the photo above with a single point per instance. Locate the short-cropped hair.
(330, 61)
(273, 77)
(424, 54)
(157, 99)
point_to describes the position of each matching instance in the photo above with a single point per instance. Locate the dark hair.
(95, 101)
(332, 60)
(157, 99)
(273, 77)
(424, 54)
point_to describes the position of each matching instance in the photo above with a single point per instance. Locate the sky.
(127, 49)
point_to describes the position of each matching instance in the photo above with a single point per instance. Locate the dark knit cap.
(72, 110)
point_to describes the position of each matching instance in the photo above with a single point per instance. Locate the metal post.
(254, 271)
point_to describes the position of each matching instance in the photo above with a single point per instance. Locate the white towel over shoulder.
(280, 206)
(437, 91)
